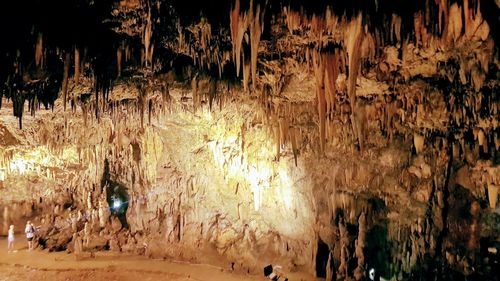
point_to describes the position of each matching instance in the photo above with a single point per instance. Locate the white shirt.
(29, 231)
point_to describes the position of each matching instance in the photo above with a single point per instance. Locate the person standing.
(10, 239)
(30, 232)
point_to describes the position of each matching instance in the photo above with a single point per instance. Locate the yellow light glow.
(26, 161)
(236, 166)
(285, 188)
(258, 177)
(45, 160)
(254, 183)
(254, 166)
(287, 197)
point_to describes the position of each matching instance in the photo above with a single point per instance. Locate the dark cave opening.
(322, 259)
(116, 195)
(117, 198)
(378, 250)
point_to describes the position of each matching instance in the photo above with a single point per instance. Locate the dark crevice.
(322, 257)
(116, 195)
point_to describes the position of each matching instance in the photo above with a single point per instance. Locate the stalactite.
(442, 15)
(418, 142)
(147, 34)
(492, 195)
(18, 106)
(467, 16)
(195, 93)
(317, 29)
(96, 85)
(239, 24)
(77, 65)
(256, 28)
(119, 55)
(141, 100)
(481, 139)
(67, 61)
(319, 73)
(127, 52)
(454, 23)
(293, 20)
(205, 54)
(418, 25)
(166, 98)
(150, 110)
(31, 106)
(354, 37)
(396, 28)
(246, 74)
(212, 93)
(293, 139)
(277, 140)
(332, 72)
(39, 50)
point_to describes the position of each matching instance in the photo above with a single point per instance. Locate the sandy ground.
(41, 265)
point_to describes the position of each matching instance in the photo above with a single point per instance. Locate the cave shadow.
(378, 250)
(322, 256)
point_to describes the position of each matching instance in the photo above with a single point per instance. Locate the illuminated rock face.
(345, 147)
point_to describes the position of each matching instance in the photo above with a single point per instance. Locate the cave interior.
(342, 140)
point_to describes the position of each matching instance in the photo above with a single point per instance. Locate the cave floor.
(42, 265)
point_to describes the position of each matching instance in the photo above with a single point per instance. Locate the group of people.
(30, 234)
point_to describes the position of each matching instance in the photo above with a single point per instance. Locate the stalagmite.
(360, 245)
(329, 266)
(344, 254)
